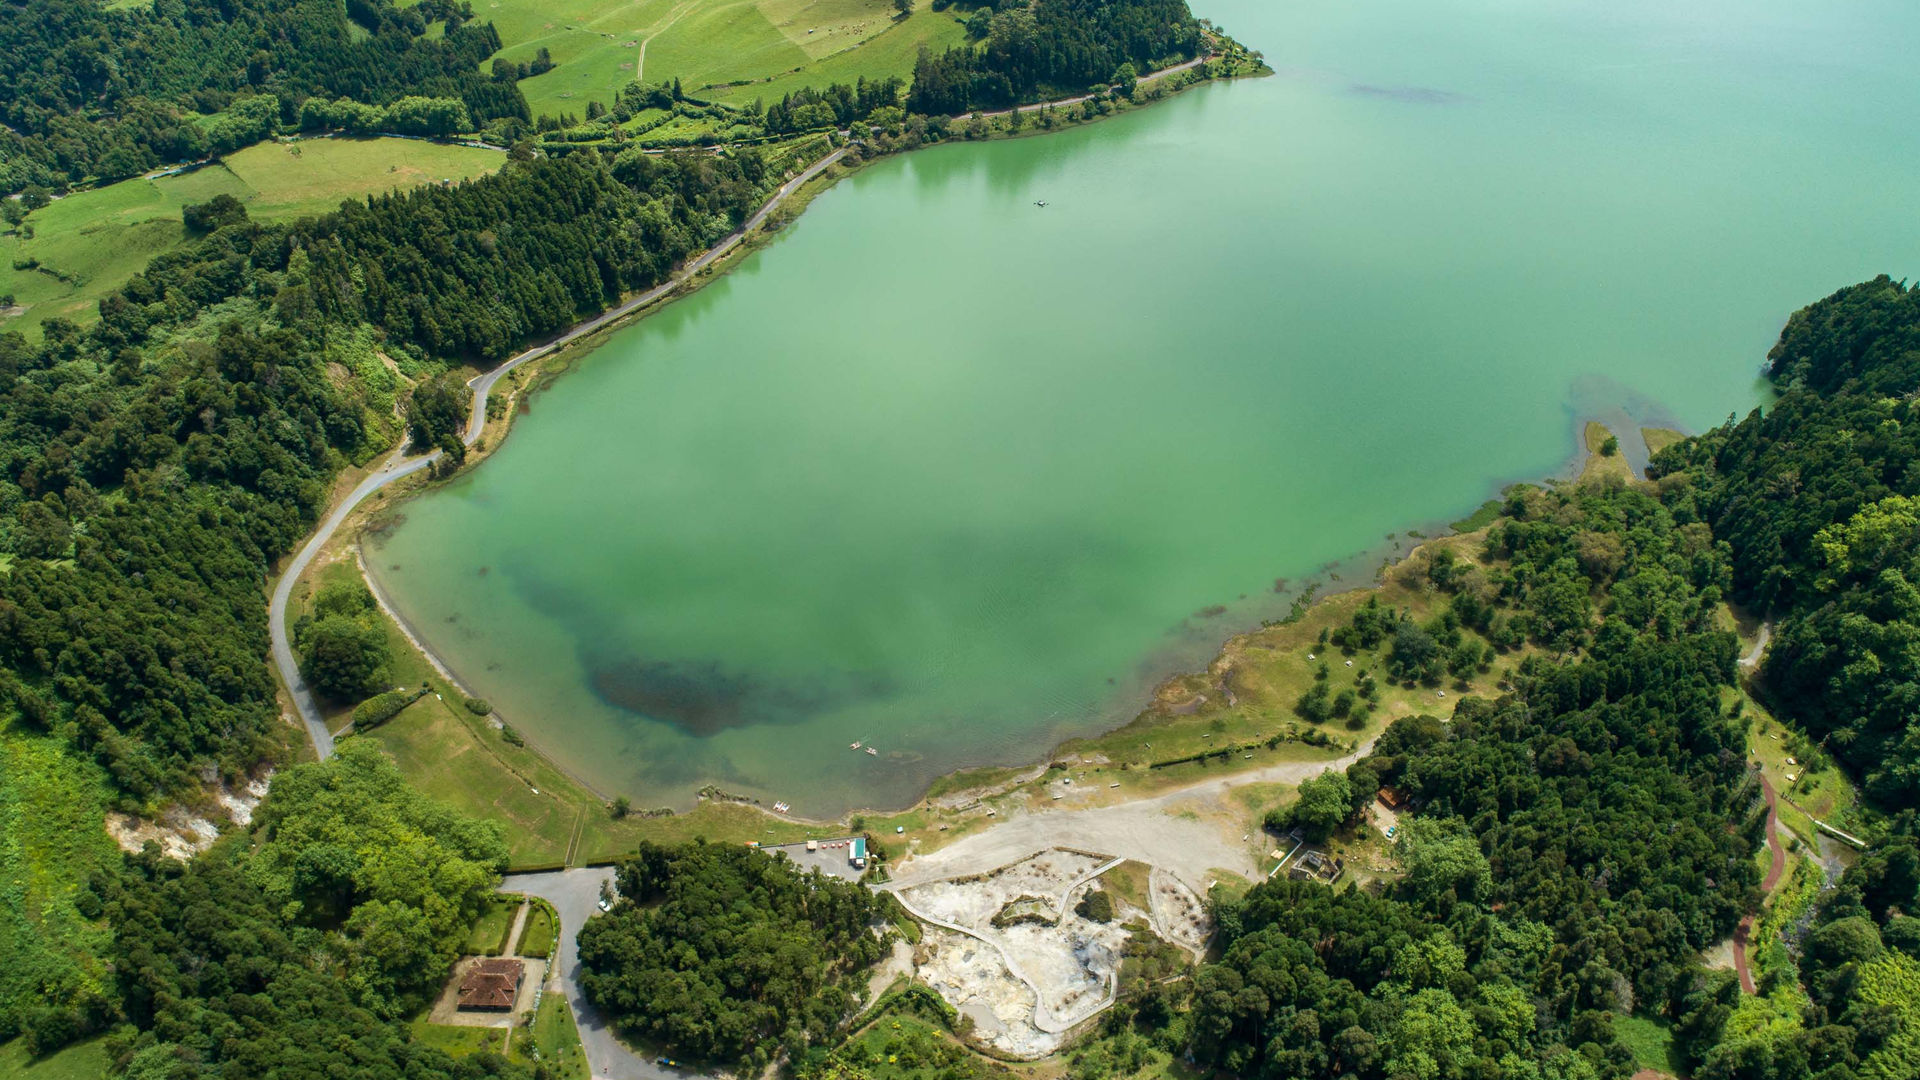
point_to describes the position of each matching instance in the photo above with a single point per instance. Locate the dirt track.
(1779, 857)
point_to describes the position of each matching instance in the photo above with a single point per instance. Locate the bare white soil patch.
(1026, 984)
(182, 834)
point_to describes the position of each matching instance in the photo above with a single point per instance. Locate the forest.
(1037, 52)
(723, 954)
(299, 946)
(1815, 497)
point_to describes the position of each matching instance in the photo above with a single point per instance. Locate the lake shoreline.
(1363, 573)
(1227, 61)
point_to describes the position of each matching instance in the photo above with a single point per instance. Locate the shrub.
(477, 706)
(1096, 905)
(381, 708)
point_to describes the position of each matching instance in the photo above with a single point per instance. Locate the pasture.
(89, 243)
(769, 46)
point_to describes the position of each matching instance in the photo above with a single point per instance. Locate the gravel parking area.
(830, 858)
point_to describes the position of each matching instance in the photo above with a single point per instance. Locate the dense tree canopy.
(1041, 51)
(723, 953)
(1815, 499)
(296, 949)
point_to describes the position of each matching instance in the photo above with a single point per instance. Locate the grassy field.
(557, 1039)
(1651, 1042)
(313, 176)
(458, 1041)
(81, 1061)
(888, 53)
(51, 841)
(89, 243)
(1818, 789)
(552, 1033)
(601, 45)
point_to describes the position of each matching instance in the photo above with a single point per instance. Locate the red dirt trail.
(1779, 855)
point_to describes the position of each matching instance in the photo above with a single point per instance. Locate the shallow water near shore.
(957, 476)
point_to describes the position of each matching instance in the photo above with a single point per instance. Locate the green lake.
(958, 476)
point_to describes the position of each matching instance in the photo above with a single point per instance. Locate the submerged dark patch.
(704, 699)
(1414, 95)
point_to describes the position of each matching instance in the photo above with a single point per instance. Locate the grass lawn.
(489, 934)
(89, 243)
(537, 938)
(458, 1041)
(557, 1039)
(1650, 1040)
(81, 1061)
(601, 45)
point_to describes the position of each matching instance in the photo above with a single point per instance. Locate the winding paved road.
(399, 465)
(575, 896)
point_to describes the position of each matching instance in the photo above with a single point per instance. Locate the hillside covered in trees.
(1582, 840)
(299, 946)
(1039, 51)
(91, 92)
(1818, 498)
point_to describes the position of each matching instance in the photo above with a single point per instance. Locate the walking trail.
(1778, 854)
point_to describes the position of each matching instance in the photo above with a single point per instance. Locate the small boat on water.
(781, 808)
(854, 746)
(872, 751)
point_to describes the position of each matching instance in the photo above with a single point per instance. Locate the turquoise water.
(957, 475)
